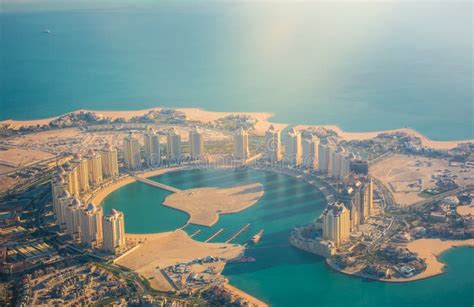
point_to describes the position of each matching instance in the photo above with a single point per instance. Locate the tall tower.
(114, 231)
(131, 152)
(310, 152)
(173, 145)
(196, 143)
(336, 224)
(273, 144)
(241, 144)
(91, 225)
(73, 218)
(151, 141)
(82, 166)
(293, 152)
(72, 180)
(95, 167)
(109, 161)
(325, 150)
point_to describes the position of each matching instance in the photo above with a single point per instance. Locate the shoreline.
(428, 249)
(262, 124)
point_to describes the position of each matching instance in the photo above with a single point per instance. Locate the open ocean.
(363, 66)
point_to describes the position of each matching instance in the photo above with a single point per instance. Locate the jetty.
(195, 233)
(157, 184)
(237, 233)
(215, 234)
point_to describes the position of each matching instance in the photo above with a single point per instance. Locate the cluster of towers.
(82, 173)
(86, 224)
(298, 151)
(353, 209)
(152, 150)
(324, 156)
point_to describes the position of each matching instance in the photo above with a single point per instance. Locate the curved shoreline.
(434, 267)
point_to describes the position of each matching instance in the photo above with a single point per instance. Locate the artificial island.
(395, 200)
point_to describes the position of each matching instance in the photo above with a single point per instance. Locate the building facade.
(109, 162)
(131, 153)
(196, 144)
(310, 149)
(293, 150)
(241, 144)
(273, 145)
(151, 141)
(174, 147)
(114, 231)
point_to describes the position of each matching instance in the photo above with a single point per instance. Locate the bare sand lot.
(465, 210)
(401, 174)
(347, 136)
(205, 204)
(165, 249)
(430, 249)
(15, 157)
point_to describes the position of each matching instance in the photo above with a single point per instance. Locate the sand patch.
(465, 210)
(161, 250)
(205, 204)
(430, 249)
(406, 176)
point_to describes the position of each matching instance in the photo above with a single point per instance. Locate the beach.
(361, 136)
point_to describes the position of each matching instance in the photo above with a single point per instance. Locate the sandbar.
(205, 204)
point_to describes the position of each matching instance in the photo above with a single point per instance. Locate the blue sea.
(363, 66)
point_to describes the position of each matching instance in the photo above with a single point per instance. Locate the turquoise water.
(363, 66)
(283, 275)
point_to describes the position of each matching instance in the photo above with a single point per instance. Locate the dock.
(237, 233)
(215, 234)
(157, 184)
(195, 233)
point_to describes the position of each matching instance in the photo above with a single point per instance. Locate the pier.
(157, 184)
(237, 233)
(215, 234)
(195, 233)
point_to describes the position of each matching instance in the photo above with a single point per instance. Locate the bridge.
(157, 184)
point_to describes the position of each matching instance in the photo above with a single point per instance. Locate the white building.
(131, 153)
(82, 166)
(325, 150)
(110, 162)
(91, 225)
(73, 218)
(151, 141)
(273, 144)
(336, 224)
(241, 144)
(196, 144)
(95, 167)
(293, 150)
(340, 166)
(310, 152)
(114, 231)
(174, 147)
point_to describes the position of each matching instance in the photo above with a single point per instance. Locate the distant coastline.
(262, 124)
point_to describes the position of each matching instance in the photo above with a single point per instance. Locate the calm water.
(282, 275)
(364, 66)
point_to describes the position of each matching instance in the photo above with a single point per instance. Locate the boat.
(257, 237)
(47, 31)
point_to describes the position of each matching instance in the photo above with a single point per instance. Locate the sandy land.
(205, 204)
(165, 249)
(430, 249)
(246, 296)
(465, 210)
(347, 136)
(193, 114)
(15, 157)
(399, 171)
(427, 249)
